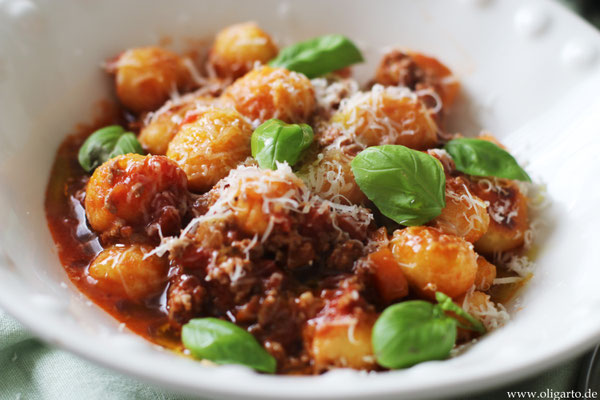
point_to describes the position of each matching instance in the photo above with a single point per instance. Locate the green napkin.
(30, 369)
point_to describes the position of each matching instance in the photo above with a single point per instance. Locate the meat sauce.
(272, 304)
(78, 245)
(196, 228)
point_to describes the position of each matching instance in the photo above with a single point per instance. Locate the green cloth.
(30, 369)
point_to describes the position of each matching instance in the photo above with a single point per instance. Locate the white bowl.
(531, 74)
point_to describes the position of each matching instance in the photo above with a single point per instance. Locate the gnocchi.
(509, 220)
(267, 92)
(343, 341)
(465, 214)
(156, 135)
(388, 115)
(238, 47)
(330, 176)
(127, 271)
(421, 73)
(434, 261)
(132, 190)
(209, 147)
(145, 77)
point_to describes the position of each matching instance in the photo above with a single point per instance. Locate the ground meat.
(270, 284)
(185, 299)
(273, 297)
(165, 217)
(342, 258)
(399, 69)
(291, 250)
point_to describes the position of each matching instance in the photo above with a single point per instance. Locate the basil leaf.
(406, 185)
(411, 332)
(275, 141)
(318, 56)
(126, 144)
(225, 343)
(98, 146)
(483, 158)
(105, 144)
(446, 304)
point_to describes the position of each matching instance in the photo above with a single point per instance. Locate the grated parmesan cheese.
(329, 94)
(492, 315)
(244, 179)
(363, 108)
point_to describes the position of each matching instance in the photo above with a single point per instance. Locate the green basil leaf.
(98, 146)
(446, 304)
(406, 185)
(225, 343)
(126, 144)
(483, 158)
(275, 141)
(318, 56)
(411, 332)
(105, 144)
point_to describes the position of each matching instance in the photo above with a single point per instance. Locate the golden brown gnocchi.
(508, 215)
(145, 77)
(465, 214)
(440, 78)
(238, 47)
(343, 341)
(434, 261)
(209, 147)
(389, 278)
(486, 273)
(134, 190)
(160, 130)
(128, 271)
(257, 197)
(388, 115)
(267, 92)
(421, 73)
(331, 177)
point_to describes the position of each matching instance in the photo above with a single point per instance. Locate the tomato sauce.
(78, 245)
